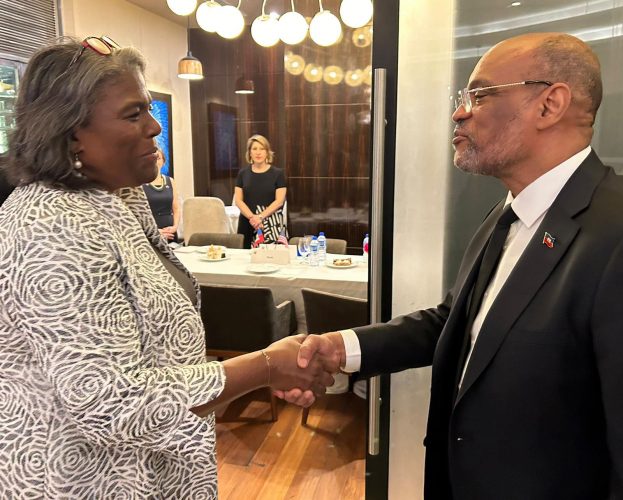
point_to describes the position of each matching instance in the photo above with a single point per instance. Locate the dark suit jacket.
(540, 413)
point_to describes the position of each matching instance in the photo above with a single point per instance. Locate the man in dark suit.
(527, 358)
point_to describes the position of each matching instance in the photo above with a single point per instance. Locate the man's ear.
(554, 103)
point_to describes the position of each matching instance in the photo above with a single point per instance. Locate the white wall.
(422, 166)
(163, 43)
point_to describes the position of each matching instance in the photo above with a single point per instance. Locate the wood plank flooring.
(263, 460)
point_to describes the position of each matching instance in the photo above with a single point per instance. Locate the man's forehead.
(501, 64)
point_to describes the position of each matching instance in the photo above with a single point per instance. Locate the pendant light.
(182, 7)
(292, 27)
(208, 16)
(325, 29)
(265, 29)
(189, 67)
(231, 22)
(244, 86)
(356, 13)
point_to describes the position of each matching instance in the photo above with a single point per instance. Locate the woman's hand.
(285, 373)
(168, 233)
(255, 221)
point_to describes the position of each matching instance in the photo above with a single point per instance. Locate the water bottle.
(366, 247)
(313, 252)
(322, 248)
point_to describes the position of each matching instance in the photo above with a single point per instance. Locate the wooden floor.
(262, 460)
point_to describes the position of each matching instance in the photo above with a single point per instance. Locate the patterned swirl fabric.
(101, 354)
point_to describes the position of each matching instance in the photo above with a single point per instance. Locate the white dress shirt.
(531, 206)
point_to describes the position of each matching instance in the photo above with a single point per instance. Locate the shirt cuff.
(353, 351)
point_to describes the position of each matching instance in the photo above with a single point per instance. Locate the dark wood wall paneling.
(319, 132)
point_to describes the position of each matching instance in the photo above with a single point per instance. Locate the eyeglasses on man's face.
(103, 45)
(467, 97)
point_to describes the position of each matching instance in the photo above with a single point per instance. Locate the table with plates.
(285, 281)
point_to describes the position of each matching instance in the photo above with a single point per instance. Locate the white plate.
(262, 268)
(329, 263)
(184, 250)
(205, 258)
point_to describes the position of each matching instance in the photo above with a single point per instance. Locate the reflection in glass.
(295, 64)
(333, 75)
(313, 73)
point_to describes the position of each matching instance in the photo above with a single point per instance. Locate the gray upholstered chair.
(328, 312)
(238, 320)
(334, 245)
(231, 240)
(204, 214)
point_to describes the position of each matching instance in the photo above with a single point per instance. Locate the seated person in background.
(163, 201)
(260, 193)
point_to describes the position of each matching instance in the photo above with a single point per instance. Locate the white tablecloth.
(285, 283)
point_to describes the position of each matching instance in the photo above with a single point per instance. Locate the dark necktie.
(489, 262)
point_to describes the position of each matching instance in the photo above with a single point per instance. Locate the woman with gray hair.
(101, 344)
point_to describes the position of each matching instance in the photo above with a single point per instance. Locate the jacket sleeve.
(407, 341)
(71, 302)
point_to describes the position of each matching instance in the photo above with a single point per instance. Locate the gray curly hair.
(56, 97)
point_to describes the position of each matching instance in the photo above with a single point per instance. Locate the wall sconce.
(325, 29)
(356, 13)
(189, 67)
(182, 7)
(265, 29)
(208, 16)
(244, 86)
(231, 22)
(292, 27)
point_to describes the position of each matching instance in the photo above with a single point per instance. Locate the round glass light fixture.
(356, 13)
(362, 37)
(231, 22)
(333, 75)
(354, 78)
(182, 7)
(208, 16)
(325, 29)
(312, 73)
(292, 28)
(265, 30)
(294, 63)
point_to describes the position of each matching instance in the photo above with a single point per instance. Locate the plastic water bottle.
(313, 252)
(366, 247)
(322, 248)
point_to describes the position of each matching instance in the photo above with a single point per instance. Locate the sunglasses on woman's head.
(103, 45)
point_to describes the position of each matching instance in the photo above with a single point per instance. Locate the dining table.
(285, 280)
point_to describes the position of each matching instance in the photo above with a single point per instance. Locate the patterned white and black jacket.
(101, 354)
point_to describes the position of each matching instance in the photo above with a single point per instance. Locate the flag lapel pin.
(548, 240)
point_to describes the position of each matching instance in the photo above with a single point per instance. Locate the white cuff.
(353, 351)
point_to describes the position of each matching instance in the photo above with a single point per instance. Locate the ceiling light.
(244, 86)
(325, 29)
(356, 13)
(292, 27)
(515, 4)
(265, 29)
(182, 7)
(189, 67)
(295, 64)
(231, 22)
(208, 16)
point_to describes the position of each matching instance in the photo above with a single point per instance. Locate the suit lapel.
(534, 266)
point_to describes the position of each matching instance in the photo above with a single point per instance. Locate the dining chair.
(239, 320)
(334, 245)
(328, 312)
(232, 240)
(204, 214)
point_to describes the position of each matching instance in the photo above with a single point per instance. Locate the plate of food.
(262, 268)
(341, 263)
(214, 253)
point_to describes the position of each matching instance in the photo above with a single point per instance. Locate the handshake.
(302, 367)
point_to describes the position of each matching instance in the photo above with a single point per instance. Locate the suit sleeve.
(407, 341)
(607, 326)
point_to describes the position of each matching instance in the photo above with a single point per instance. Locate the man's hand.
(327, 350)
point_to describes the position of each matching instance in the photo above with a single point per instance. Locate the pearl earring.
(77, 162)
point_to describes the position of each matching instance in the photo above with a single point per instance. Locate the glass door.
(9, 80)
